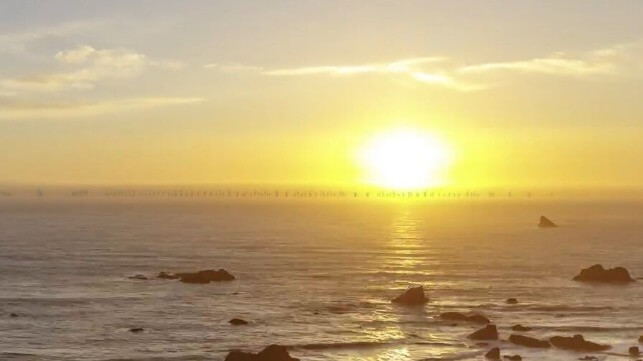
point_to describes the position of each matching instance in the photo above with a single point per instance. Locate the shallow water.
(316, 277)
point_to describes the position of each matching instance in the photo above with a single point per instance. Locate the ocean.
(317, 277)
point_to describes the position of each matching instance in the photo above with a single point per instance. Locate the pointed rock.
(489, 332)
(412, 297)
(493, 354)
(546, 223)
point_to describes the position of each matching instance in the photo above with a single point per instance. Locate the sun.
(405, 159)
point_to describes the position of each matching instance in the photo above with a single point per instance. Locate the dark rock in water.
(546, 223)
(520, 328)
(634, 351)
(640, 339)
(513, 358)
(512, 301)
(457, 316)
(138, 277)
(597, 273)
(411, 297)
(270, 353)
(489, 332)
(238, 322)
(136, 329)
(493, 354)
(167, 276)
(528, 341)
(589, 358)
(577, 343)
(206, 276)
(13, 315)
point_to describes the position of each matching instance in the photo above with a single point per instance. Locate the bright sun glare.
(405, 159)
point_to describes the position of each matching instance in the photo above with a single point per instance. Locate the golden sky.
(520, 93)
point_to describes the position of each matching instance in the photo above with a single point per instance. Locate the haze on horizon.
(286, 92)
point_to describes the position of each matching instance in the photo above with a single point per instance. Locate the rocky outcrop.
(457, 316)
(270, 353)
(577, 343)
(546, 223)
(206, 276)
(634, 351)
(238, 322)
(489, 332)
(493, 354)
(597, 273)
(520, 328)
(521, 340)
(412, 297)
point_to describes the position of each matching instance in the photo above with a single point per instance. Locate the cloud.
(11, 109)
(621, 60)
(617, 60)
(17, 42)
(88, 67)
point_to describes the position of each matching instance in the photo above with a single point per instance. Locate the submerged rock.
(136, 329)
(206, 276)
(138, 277)
(546, 223)
(270, 353)
(167, 276)
(577, 343)
(457, 316)
(512, 301)
(493, 354)
(412, 297)
(520, 328)
(513, 358)
(489, 332)
(634, 351)
(238, 322)
(528, 341)
(13, 315)
(597, 273)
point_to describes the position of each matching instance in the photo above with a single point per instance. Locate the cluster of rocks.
(597, 273)
(199, 277)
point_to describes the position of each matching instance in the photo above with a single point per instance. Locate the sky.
(525, 93)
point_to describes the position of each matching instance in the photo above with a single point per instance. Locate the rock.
(512, 301)
(640, 339)
(521, 340)
(634, 351)
(546, 223)
(513, 358)
(411, 297)
(493, 354)
(138, 277)
(13, 315)
(206, 276)
(238, 322)
(576, 343)
(167, 276)
(270, 353)
(520, 328)
(489, 332)
(457, 316)
(136, 329)
(597, 273)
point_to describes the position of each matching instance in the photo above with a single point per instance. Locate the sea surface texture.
(317, 277)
